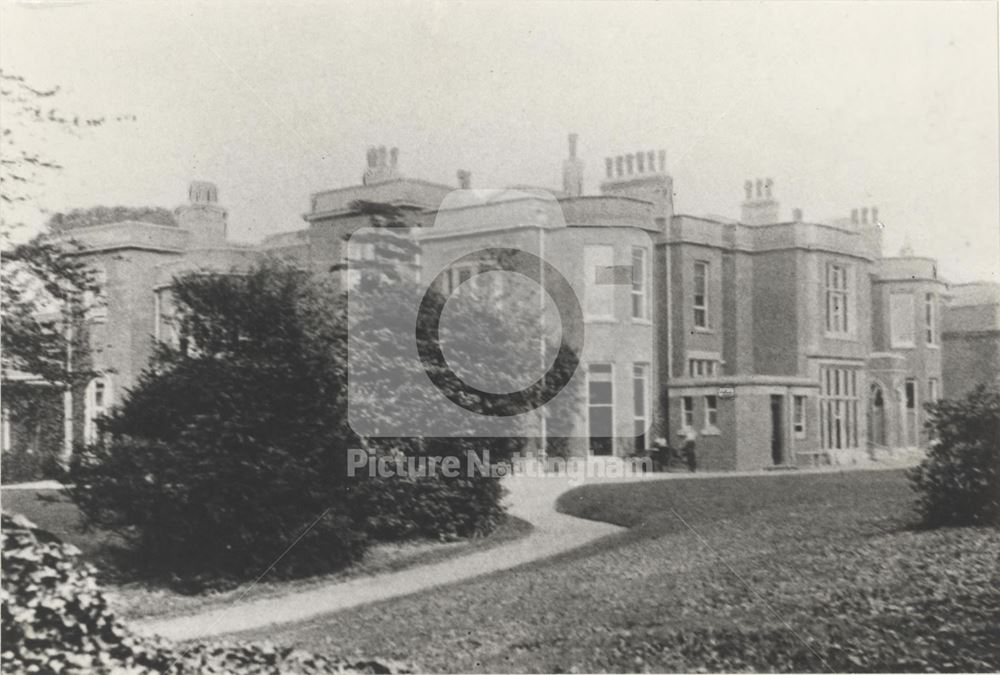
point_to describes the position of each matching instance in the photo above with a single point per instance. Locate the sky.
(844, 105)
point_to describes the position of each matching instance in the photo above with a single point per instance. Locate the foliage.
(959, 481)
(233, 446)
(43, 291)
(436, 507)
(28, 110)
(101, 215)
(46, 293)
(42, 287)
(57, 619)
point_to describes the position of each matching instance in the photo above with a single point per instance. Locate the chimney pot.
(854, 216)
(663, 161)
(203, 192)
(760, 187)
(864, 216)
(748, 189)
(609, 166)
(572, 145)
(797, 215)
(630, 163)
(768, 184)
(875, 215)
(464, 179)
(619, 165)
(640, 162)
(394, 157)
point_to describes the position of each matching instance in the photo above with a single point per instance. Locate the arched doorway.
(876, 417)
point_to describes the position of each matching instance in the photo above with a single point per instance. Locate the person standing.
(690, 436)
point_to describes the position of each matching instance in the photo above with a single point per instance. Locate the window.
(799, 416)
(640, 284)
(838, 408)
(97, 401)
(711, 412)
(837, 299)
(932, 390)
(702, 367)
(165, 327)
(599, 298)
(640, 403)
(600, 408)
(457, 276)
(901, 320)
(688, 412)
(911, 394)
(701, 285)
(4, 429)
(95, 301)
(929, 319)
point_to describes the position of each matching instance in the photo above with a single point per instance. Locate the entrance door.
(777, 429)
(600, 409)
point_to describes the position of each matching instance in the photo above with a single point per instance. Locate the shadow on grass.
(152, 594)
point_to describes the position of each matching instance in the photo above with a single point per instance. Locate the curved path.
(532, 499)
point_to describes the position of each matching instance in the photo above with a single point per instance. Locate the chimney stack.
(573, 170)
(759, 205)
(464, 179)
(635, 175)
(202, 216)
(383, 165)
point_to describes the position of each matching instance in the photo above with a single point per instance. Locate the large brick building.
(971, 337)
(780, 341)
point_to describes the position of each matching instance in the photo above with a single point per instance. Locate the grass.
(53, 511)
(773, 573)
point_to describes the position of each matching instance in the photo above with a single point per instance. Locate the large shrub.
(959, 481)
(234, 445)
(56, 619)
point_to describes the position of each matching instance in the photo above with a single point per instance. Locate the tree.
(100, 215)
(234, 444)
(46, 290)
(26, 109)
(44, 347)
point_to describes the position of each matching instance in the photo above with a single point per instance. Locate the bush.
(235, 444)
(56, 619)
(205, 511)
(959, 481)
(435, 507)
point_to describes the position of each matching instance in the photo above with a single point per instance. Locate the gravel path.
(532, 499)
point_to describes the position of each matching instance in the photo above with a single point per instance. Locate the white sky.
(843, 104)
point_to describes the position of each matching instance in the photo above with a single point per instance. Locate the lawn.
(53, 511)
(773, 573)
